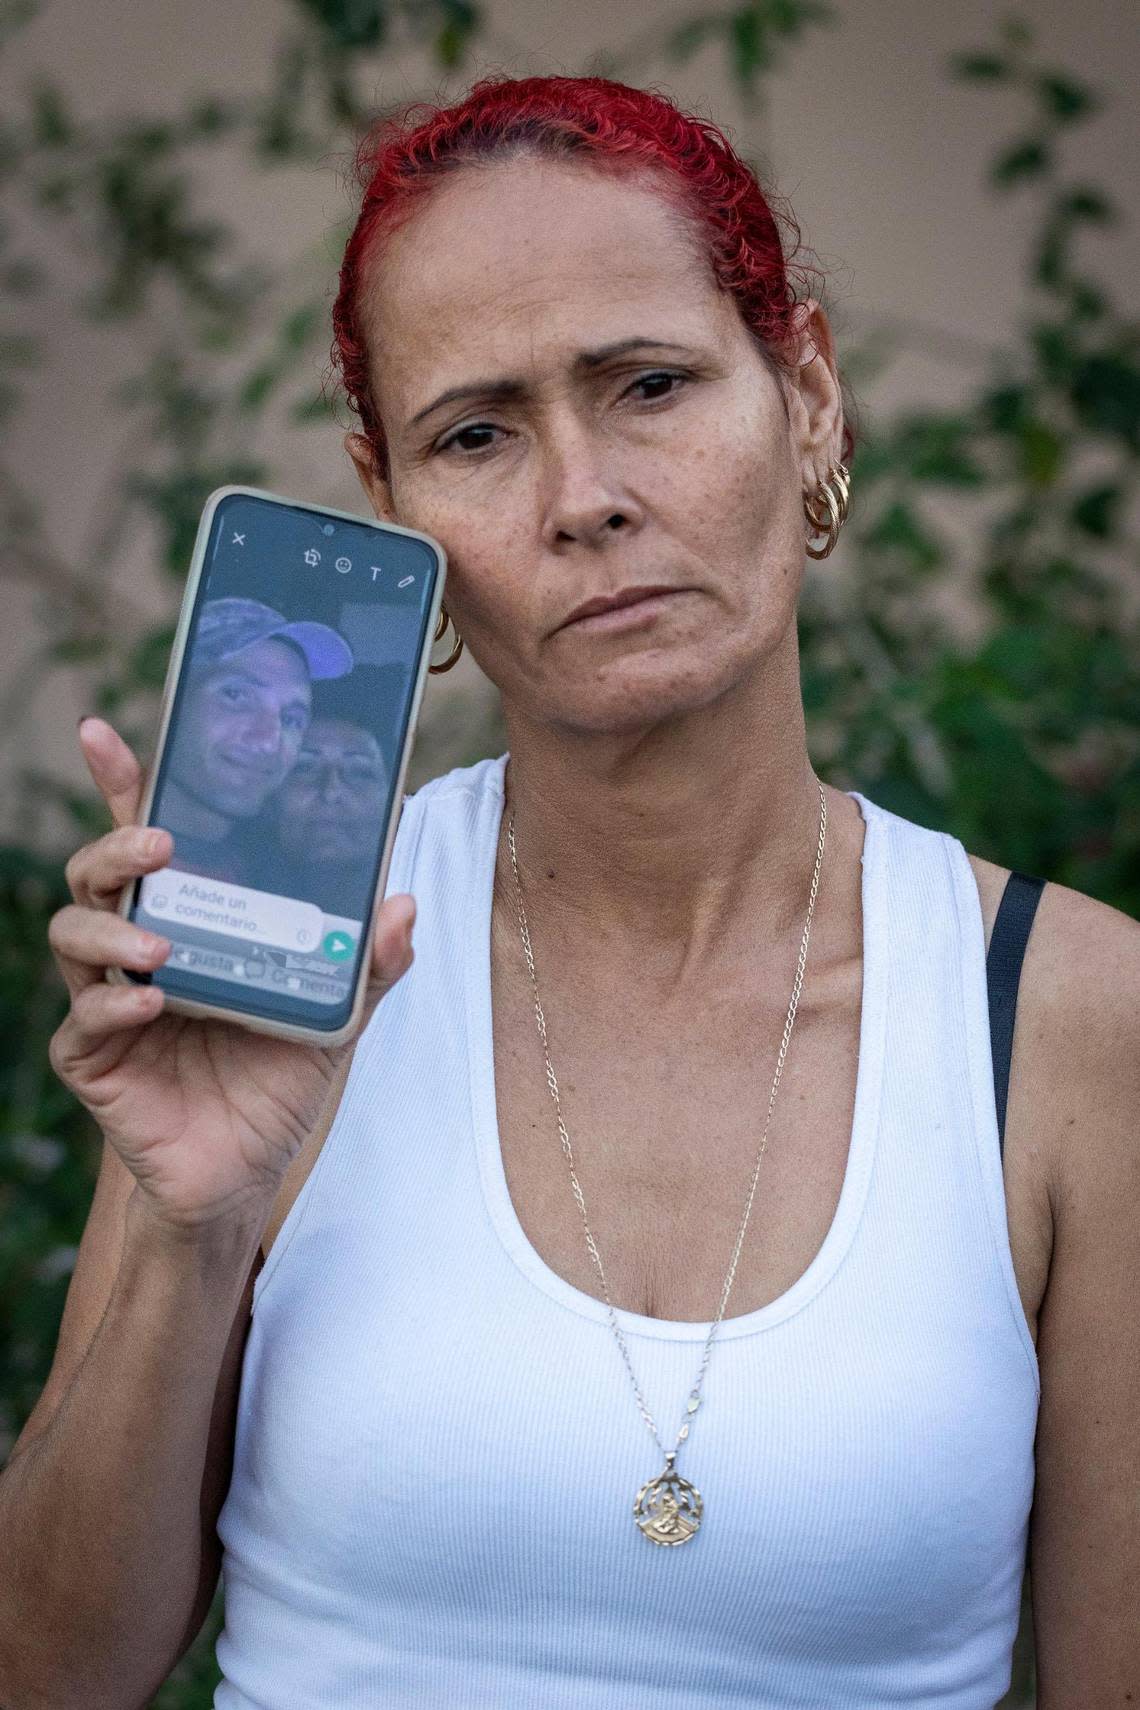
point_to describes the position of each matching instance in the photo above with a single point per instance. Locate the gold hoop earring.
(835, 493)
(440, 631)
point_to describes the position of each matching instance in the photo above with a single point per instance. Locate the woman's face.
(574, 410)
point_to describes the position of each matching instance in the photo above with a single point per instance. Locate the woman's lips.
(638, 614)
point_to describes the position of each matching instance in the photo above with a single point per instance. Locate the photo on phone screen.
(281, 756)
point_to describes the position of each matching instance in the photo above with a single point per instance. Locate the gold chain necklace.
(668, 1508)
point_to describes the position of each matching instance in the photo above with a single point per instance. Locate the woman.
(568, 328)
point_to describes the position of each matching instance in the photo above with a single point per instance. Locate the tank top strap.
(1008, 940)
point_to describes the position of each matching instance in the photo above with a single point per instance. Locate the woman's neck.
(673, 843)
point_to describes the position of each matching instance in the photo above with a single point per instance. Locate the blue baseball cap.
(227, 626)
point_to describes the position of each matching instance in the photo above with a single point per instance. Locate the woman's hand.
(206, 1115)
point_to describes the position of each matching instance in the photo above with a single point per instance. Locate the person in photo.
(245, 709)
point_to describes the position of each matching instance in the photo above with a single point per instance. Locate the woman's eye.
(652, 380)
(463, 433)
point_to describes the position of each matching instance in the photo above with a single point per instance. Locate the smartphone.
(295, 682)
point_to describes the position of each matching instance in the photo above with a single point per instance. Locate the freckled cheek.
(493, 595)
(703, 480)
(742, 502)
(491, 557)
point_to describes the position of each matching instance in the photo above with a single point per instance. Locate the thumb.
(113, 767)
(392, 953)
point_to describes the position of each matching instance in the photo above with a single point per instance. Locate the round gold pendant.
(668, 1508)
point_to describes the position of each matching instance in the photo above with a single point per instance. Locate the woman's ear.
(816, 400)
(375, 486)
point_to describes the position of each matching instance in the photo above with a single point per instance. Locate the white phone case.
(224, 1012)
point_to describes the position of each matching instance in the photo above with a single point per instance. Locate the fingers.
(90, 937)
(97, 873)
(98, 1027)
(87, 942)
(114, 768)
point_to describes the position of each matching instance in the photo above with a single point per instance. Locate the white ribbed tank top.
(438, 1445)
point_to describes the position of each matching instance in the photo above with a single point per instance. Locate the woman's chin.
(636, 694)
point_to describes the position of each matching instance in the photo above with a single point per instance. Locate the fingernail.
(84, 720)
(155, 840)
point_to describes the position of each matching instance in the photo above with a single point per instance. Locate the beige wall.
(880, 155)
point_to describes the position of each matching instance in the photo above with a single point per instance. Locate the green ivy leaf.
(981, 67)
(1026, 159)
(1016, 32)
(1086, 203)
(210, 118)
(78, 649)
(1057, 351)
(1005, 409)
(461, 20)
(1042, 454)
(298, 328)
(1106, 396)
(690, 37)
(935, 448)
(1086, 301)
(257, 386)
(317, 408)
(1064, 99)
(748, 44)
(1096, 511)
(351, 24)
(1018, 656)
(51, 125)
(1049, 268)
(149, 658)
(898, 528)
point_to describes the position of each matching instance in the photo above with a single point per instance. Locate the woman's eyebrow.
(508, 390)
(498, 391)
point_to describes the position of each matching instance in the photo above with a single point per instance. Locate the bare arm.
(109, 1499)
(1084, 1547)
(100, 1511)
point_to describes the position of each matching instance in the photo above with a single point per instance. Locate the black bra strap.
(1003, 971)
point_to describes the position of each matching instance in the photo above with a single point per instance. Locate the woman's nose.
(585, 496)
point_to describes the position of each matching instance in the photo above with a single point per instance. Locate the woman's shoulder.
(446, 826)
(1075, 1073)
(1078, 1032)
(479, 779)
(459, 793)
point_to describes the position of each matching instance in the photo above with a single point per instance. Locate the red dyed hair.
(591, 119)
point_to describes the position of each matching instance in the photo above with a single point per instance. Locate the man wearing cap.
(244, 712)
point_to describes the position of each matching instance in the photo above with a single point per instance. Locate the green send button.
(338, 946)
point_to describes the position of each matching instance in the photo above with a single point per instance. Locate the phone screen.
(282, 755)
